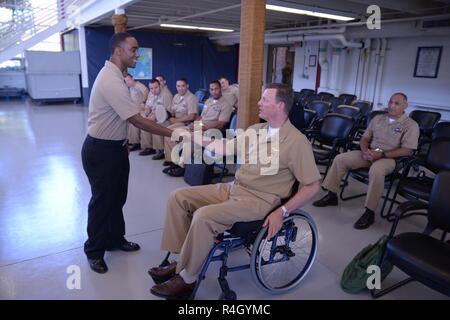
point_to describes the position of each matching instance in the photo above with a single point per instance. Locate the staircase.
(33, 22)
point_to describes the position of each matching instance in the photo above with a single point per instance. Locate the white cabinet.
(53, 75)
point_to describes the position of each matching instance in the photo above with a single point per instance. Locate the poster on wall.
(427, 62)
(143, 68)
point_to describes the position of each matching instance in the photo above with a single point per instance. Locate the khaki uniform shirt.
(158, 106)
(296, 162)
(184, 105)
(232, 95)
(217, 110)
(110, 105)
(167, 96)
(402, 133)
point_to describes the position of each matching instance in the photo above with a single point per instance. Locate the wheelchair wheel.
(279, 264)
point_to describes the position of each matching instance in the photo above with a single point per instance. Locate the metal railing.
(29, 21)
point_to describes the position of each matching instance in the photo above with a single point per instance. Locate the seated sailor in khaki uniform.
(215, 115)
(195, 215)
(388, 136)
(155, 110)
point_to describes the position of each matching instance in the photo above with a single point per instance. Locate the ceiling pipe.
(339, 37)
(331, 26)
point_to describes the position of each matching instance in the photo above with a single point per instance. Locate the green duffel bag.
(354, 278)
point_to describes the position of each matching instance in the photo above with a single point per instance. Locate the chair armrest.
(402, 209)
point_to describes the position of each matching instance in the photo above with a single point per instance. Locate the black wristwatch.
(383, 155)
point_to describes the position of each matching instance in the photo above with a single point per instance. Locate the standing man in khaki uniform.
(105, 154)
(196, 215)
(184, 110)
(231, 93)
(215, 115)
(156, 110)
(165, 91)
(139, 94)
(388, 136)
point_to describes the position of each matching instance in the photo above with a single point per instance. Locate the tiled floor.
(43, 199)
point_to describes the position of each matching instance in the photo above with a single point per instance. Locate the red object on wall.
(319, 69)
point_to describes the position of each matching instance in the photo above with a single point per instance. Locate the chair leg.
(202, 274)
(165, 262)
(386, 199)
(376, 294)
(227, 293)
(344, 185)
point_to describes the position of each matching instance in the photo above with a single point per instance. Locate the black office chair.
(312, 98)
(362, 175)
(441, 131)
(308, 116)
(365, 107)
(334, 103)
(296, 116)
(426, 120)
(321, 108)
(325, 96)
(307, 92)
(419, 187)
(334, 135)
(422, 257)
(350, 111)
(347, 98)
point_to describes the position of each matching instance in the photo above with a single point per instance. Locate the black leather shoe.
(147, 152)
(159, 155)
(126, 246)
(174, 171)
(328, 200)
(98, 265)
(135, 146)
(168, 163)
(365, 221)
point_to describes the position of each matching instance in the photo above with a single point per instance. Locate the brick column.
(251, 52)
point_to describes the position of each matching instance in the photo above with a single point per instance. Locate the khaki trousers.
(353, 160)
(169, 144)
(150, 140)
(195, 215)
(133, 134)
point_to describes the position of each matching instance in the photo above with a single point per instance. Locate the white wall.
(305, 76)
(399, 70)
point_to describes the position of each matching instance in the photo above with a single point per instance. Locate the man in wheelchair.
(196, 215)
(388, 137)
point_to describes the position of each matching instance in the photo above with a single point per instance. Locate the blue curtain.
(175, 56)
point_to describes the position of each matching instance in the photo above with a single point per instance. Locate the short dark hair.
(401, 94)
(154, 80)
(184, 80)
(161, 76)
(216, 82)
(117, 39)
(223, 77)
(284, 94)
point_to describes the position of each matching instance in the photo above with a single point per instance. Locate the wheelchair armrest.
(404, 208)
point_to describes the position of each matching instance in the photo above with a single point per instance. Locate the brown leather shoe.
(173, 289)
(162, 274)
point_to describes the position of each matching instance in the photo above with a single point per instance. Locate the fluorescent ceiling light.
(307, 12)
(181, 26)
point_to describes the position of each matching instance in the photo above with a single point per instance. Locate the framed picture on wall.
(312, 61)
(427, 62)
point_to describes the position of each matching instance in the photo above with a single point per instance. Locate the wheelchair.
(277, 265)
